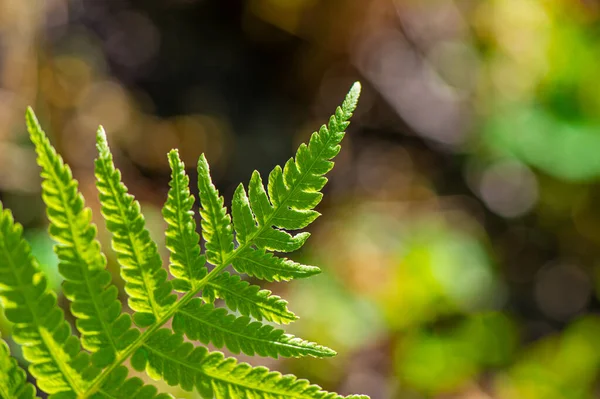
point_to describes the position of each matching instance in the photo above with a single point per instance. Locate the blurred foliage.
(463, 258)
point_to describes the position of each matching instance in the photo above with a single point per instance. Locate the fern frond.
(248, 299)
(141, 267)
(13, 379)
(207, 324)
(186, 263)
(81, 262)
(259, 223)
(118, 386)
(166, 356)
(216, 223)
(38, 323)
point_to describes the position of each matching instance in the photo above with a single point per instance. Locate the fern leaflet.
(248, 299)
(187, 265)
(216, 223)
(205, 323)
(145, 279)
(82, 264)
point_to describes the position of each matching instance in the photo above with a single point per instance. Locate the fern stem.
(123, 356)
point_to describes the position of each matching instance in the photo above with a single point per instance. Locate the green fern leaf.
(207, 324)
(216, 224)
(166, 356)
(38, 323)
(141, 267)
(186, 263)
(87, 282)
(118, 386)
(266, 266)
(248, 299)
(13, 380)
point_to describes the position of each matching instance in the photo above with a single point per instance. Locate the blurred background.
(460, 240)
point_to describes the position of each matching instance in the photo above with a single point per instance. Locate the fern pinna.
(260, 225)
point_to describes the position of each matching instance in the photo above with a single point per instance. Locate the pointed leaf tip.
(203, 164)
(29, 113)
(102, 142)
(173, 157)
(351, 99)
(32, 121)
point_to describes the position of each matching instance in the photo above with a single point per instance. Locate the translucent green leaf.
(266, 266)
(207, 324)
(243, 220)
(216, 223)
(187, 265)
(248, 299)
